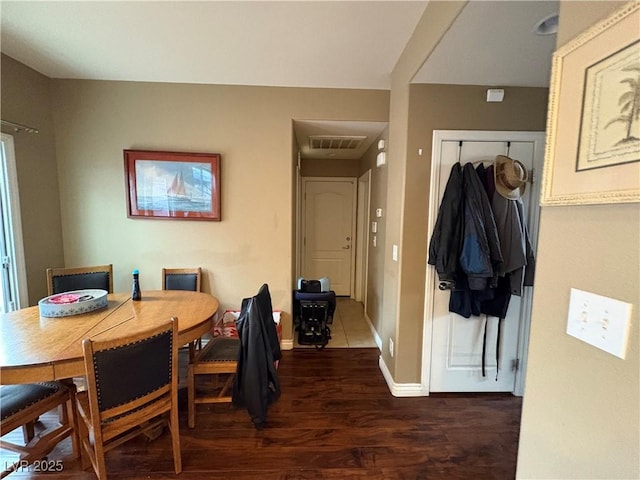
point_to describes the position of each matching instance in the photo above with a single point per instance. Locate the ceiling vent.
(336, 142)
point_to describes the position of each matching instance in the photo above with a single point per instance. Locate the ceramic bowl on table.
(73, 303)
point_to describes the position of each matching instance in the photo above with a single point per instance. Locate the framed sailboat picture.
(172, 185)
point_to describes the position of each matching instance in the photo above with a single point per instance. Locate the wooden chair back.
(67, 279)
(132, 387)
(182, 279)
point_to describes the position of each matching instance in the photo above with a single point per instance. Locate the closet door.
(457, 342)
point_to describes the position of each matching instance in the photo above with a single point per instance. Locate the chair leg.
(101, 470)
(175, 438)
(28, 431)
(84, 444)
(73, 421)
(191, 397)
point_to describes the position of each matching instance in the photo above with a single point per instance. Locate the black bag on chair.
(310, 286)
(313, 329)
(312, 315)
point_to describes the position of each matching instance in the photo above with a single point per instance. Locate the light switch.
(394, 253)
(378, 212)
(374, 227)
(374, 241)
(599, 321)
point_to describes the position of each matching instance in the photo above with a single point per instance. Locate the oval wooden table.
(37, 349)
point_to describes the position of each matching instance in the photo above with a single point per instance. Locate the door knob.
(347, 247)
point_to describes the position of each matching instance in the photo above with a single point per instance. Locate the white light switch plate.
(394, 253)
(378, 212)
(599, 321)
(374, 227)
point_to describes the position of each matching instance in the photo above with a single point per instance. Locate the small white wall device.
(495, 95)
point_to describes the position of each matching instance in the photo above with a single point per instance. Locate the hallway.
(349, 329)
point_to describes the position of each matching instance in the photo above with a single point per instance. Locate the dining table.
(34, 348)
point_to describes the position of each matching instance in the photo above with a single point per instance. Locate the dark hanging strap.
(508, 147)
(459, 150)
(484, 344)
(498, 347)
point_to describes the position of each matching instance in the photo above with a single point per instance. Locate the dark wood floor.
(335, 420)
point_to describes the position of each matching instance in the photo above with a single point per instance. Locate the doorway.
(13, 285)
(329, 226)
(453, 345)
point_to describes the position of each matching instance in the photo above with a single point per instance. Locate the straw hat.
(510, 177)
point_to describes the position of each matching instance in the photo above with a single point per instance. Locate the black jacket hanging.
(256, 383)
(446, 240)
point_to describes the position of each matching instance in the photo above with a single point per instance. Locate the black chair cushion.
(181, 281)
(81, 281)
(221, 349)
(14, 398)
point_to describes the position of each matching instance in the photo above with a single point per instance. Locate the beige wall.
(446, 107)
(330, 167)
(580, 415)
(249, 126)
(375, 267)
(435, 21)
(26, 99)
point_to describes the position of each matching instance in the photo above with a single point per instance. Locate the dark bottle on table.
(135, 292)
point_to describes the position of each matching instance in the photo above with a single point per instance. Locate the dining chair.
(67, 279)
(184, 279)
(246, 363)
(132, 388)
(21, 405)
(219, 359)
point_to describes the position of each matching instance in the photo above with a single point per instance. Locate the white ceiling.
(293, 43)
(329, 44)
(494, 44)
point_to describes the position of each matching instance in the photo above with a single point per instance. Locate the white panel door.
(457, 342)
(328, 230)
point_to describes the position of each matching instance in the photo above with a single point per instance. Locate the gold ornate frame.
(571, 116)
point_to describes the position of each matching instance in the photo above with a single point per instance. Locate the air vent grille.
(335, 142)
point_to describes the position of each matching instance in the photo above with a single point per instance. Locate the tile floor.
(349, 328)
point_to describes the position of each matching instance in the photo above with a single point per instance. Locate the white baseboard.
(401, 389)
(376, 337)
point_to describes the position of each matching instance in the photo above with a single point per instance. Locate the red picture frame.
(172, 185)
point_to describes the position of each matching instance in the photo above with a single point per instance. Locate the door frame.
(13, 226)
(439, 136)
(354, 238)
(362, 237)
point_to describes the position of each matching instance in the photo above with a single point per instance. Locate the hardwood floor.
(336, 420)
